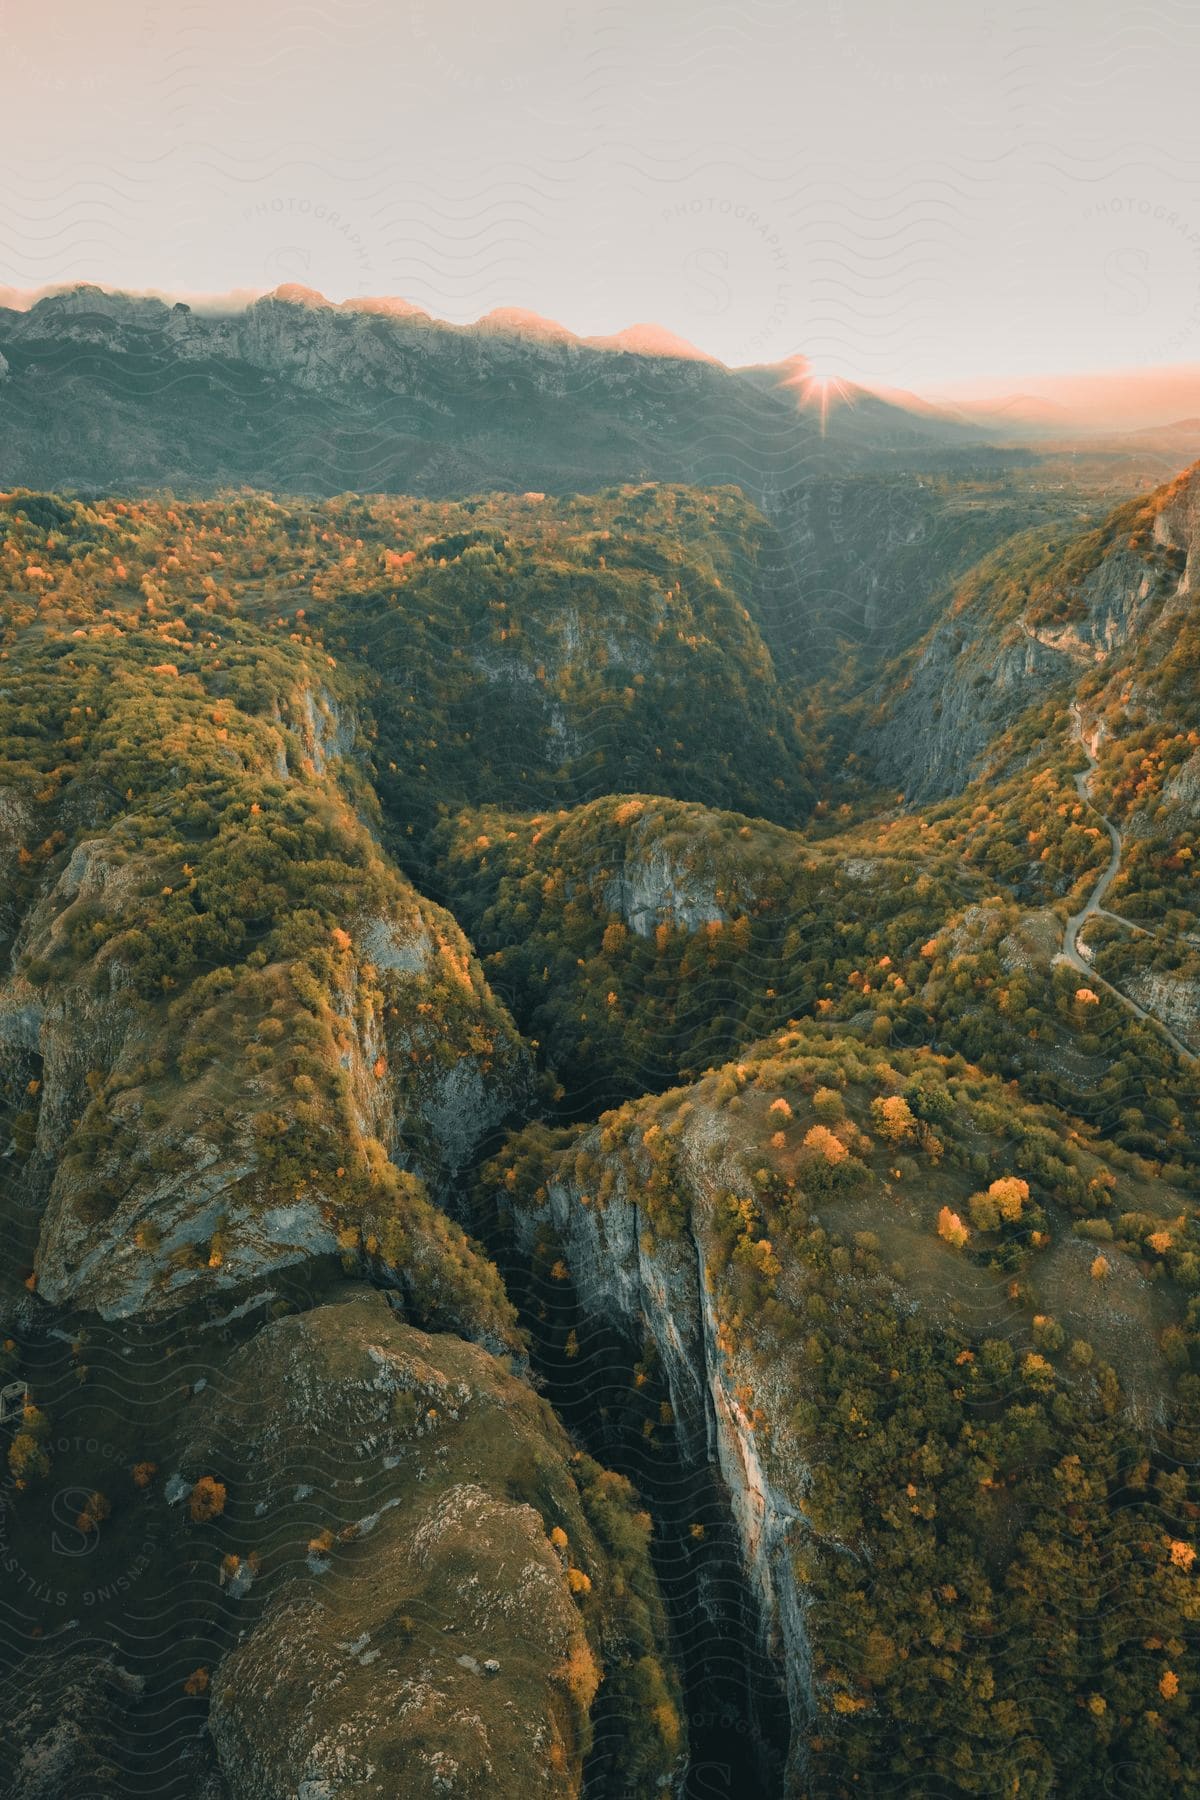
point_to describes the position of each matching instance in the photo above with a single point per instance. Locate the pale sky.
(910, 193)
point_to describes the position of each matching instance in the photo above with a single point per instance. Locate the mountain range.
(103, 391)
(293, 392)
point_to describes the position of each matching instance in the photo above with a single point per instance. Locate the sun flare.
(818, 390)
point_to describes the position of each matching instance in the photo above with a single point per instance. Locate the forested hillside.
(576, 1197)
(878, 506)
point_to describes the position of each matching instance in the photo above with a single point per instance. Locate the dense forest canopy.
(453, 950)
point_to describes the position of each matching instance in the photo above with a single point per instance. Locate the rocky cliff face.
(144, 1187)
(961, 695)
(799, 1248)
(661, 1289)
(175, 1202)
(875, 560)
(69, 1719)
(1011, 640)
(654, 888)
(1173, 998)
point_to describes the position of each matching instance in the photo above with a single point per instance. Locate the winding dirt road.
(1093, 906)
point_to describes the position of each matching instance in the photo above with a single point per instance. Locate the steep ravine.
(633, 1298)
(738, 1722)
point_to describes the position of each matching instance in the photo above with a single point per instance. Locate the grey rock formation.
(983, 664)
(660, 1287)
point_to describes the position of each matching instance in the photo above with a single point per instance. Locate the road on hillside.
(1071, 952)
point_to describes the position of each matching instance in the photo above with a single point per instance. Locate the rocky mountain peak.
(648, 339)
(87, 300)
(388, 306)
(516, 322)
(294, 293)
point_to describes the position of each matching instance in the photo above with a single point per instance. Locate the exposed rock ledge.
(1175, 999)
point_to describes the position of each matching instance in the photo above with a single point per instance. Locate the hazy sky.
(906, 192)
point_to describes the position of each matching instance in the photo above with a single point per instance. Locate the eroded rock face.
(661, 1286)
(152, 1189)
(16, 820)
(423, 1632)
(986, 661)
(1183, 789)
(961, 695)
(155, 1169)
(1175, 999)
(294, 333)
(1177, 526)
(1175, 808)
(653, 888)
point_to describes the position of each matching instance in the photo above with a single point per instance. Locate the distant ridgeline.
(112, 390)
(877, 504)
(557, 1222)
